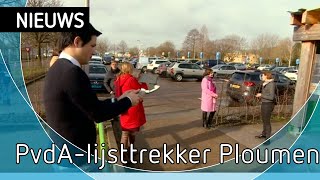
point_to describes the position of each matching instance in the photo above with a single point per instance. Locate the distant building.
(241, 58)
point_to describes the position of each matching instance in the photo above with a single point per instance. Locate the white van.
(143, 62)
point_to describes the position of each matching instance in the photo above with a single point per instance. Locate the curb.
(35, 79)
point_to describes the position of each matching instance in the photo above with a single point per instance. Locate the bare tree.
(152, 51)
(230, 46)
(123, 47)
(134, 51)
(103, 46)
(209, 50)
(38, 38)
(191, 41)
(263, 45)
(167, 48)
(203, 40)
(283, 50)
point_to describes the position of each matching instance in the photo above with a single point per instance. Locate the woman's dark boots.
(204, 119)
(210, 119)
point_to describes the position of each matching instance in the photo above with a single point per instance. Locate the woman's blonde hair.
(126, 68)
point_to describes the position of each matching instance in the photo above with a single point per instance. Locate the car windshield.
(238, 76)
(278, 69)
(216, 67)
(171, 65)
(95, 59)
(97, 70)
(254, 77)
(245, 77)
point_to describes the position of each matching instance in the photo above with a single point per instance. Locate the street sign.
(247, 59)
(178, 54)
(277, 60)
(218, 55)
(189, 54)
(260, 59)
(297, 61)
(201, 55)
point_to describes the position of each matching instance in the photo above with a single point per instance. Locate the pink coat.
(208, 100)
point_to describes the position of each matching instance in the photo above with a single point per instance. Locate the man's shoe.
(260, 136)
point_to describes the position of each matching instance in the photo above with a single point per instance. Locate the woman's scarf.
(210, 84)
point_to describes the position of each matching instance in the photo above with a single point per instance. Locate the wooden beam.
(296, 17)
(304, 75)
(307, 33)
(311, 17)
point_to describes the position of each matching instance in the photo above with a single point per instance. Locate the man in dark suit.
(70, 104)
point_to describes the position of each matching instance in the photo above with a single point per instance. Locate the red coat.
(135, 116)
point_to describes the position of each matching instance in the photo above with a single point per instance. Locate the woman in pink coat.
(208, 98)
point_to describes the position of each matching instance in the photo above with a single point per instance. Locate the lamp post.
(139, 47)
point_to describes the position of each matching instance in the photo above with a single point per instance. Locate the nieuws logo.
(46, 19)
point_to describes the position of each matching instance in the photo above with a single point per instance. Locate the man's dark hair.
(66, 38)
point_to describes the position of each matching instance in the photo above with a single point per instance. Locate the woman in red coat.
(134, 118)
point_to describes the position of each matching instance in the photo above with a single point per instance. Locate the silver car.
(179, 71)
(223, 70)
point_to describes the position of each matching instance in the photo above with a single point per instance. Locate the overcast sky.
(155, 21)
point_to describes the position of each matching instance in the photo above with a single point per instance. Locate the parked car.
(270, 68)
(96, 59)
(143, 62)
(107, 59)
(283, 70)
(162, 69)
(223, 70)
(209, 63)
(179, 71)
(238, 66)
(191, 61)
(264, 67)
(96, 74)
(292, 74)
(254, 66)
(244, 85)
(154, 64)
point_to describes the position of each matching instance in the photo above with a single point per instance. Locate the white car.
(96, 59)
(292, 74)
(154, 64)
(264, 66)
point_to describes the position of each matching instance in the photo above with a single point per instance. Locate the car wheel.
(144, 69)
(178, 77)
(154, 70)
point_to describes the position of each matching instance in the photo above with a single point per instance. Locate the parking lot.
(174, 116)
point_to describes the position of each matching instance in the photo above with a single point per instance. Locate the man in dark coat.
(72, 108)
(111, 76)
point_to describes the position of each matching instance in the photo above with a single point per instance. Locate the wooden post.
(304, 77)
